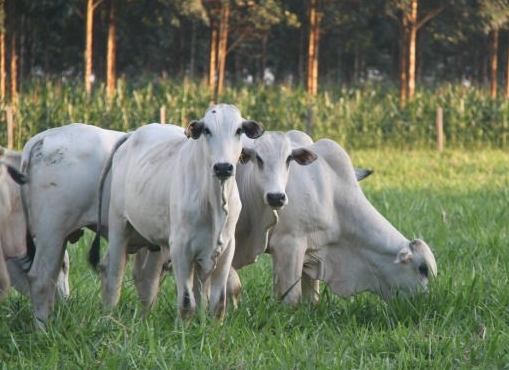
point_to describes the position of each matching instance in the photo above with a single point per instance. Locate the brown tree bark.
(493, 63)
(214, 32)
(314, 38)
(14, 71)
(88, 45)
(412, 40)
(403, 63)
(222, 47)
(111, 52)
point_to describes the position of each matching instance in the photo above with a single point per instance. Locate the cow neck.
(367, 227)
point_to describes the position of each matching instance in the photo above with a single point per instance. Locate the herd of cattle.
(208, 200)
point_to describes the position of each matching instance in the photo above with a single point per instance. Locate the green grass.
(457, 201)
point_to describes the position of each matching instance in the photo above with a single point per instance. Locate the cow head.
(271, 156)
(221, 129)
(419, 260)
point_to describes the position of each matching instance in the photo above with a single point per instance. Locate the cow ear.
(246, 155)
(252, 129)
(194, 129)
(303, 156)
(362, 173)
(404, 255)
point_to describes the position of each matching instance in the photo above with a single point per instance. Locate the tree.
(407, 14)
(313, 47)
(111, 52)
(494, 15)
(89, 36)
(13, 52)
(252, 20)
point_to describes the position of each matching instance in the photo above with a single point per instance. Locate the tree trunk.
(412, 40)
(403, 62)
(88, 46)
(507, 69)
(14, 71)
(222, 47)
(314, 38)
(111, 52)
(493, 63)
(213, 57)
(2, 53)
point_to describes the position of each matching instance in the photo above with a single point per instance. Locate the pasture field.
(456, 201)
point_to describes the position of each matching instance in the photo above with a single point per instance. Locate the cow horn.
(419, 246)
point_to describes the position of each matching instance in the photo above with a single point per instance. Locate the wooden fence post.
(162, 114)
(440, 130)
(10, 128)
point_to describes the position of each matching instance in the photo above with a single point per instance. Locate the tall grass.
(455, 201)
(359, 117)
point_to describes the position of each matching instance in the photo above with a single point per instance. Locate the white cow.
(262, 182)
(328, 230)
(62, 168)
(181, 194)
(13, 234)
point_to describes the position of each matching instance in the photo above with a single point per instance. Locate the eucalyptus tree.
(411, 19)
(494, 15)
(234, 23)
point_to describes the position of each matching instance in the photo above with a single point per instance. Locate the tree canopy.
(358, 40)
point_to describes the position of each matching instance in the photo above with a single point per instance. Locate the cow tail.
(18, 177)
(95, 248)
(21, 177)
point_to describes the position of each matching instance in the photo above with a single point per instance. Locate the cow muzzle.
(223, 170)
(276, 200)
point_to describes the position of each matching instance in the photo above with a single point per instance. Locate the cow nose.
(223, 170)
(276, 200)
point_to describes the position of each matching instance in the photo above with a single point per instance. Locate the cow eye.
(206, 131)
(239, 131)
(259, 161)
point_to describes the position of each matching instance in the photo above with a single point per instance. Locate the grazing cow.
(62, 168)
(181, 194)
(328, 231)
(13, 232)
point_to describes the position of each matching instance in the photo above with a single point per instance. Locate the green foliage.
(356, 117)
(454, 200)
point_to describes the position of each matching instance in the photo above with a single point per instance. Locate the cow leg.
(5, 281)
(233, 287)
(183, 270)
(201, 287)
(43, 277)
(62, 284)
(147, 272)
(287, 263)
(113, 264)
(310, 289)
(218, 280)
